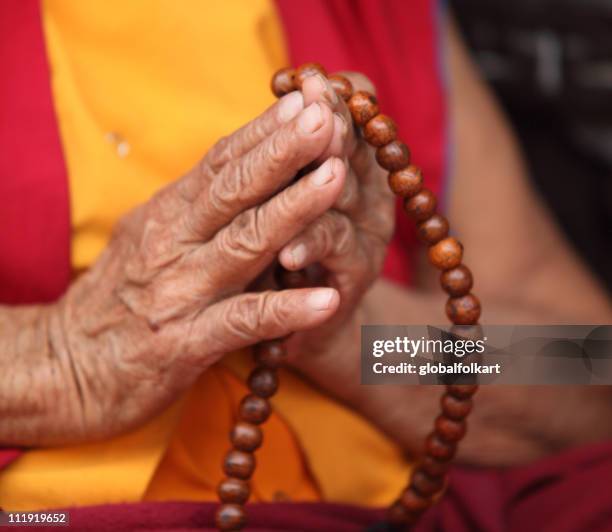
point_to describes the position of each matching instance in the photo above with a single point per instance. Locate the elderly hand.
(349, 243)
(166, 298)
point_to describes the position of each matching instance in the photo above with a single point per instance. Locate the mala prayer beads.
(445, 252)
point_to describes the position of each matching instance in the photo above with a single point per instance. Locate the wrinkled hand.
(349, 241)
(166, 298)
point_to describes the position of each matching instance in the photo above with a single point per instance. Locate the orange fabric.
(191, 468)
(135, 113)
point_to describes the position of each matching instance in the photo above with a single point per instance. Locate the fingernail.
(320, 80)
(324, 174)
(320, 299)
(328, 91)
(298, 254)
(341, 123)
(311, 118)
(290, 105)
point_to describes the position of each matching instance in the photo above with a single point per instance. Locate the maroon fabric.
(569, 492)
(34, 212)
(396, 44)
(7, 456)
(181, 516)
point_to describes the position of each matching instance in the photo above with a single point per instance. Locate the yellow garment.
(142, 89)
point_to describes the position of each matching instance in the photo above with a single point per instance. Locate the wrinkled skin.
(178, 286)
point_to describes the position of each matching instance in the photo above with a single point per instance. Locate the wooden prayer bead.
(433, 229)
(438, 448)
(342, 86)
(270, 354)
(282, 82)
(230, 517)
(363, 107)
(380, 130)
(239, 464)
(446, 254)
(433, 467)
(393, 156)
(414, 501)
(426, 485)
(246, 436)
(464, 310)
(407, 520)
(454, 407)
(457, 281)
(462, 391)
(291, 279)
(306, 70)
(263, 382)
(254, 409)
(448, 429)
(421, 206)
(397, 514)
(234, 490)
(406, 182)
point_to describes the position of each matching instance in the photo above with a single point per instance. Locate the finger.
(246, 319)
(238, 143)
(337, 144)
(318, 89)
(244, 248)
(359, 82)
(367, 170)
(261, 172)
(372, 179)
(251, 134)
(349, 201)
(375, 213)
(331, 240)
(363, 155)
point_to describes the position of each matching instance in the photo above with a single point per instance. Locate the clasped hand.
(180, 283)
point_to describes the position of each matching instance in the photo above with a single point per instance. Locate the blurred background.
(550, 64)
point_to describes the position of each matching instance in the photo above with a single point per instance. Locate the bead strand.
(246, 435)
(462, 308)
(429, 477)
